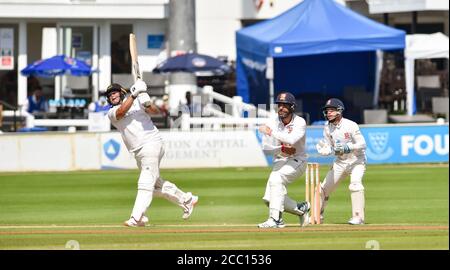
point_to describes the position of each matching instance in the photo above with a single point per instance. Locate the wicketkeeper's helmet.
(115, 87)
(286, 98)
(333, 103)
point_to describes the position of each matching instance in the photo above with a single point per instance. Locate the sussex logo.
(378, 146)
(111, 149)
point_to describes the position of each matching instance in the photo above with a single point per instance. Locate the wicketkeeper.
(285, 139)
(143, 139)
(343, 138)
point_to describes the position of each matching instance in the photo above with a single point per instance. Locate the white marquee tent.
(421, 46)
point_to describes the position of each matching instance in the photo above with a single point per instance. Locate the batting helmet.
(286, 98)
(115, 87)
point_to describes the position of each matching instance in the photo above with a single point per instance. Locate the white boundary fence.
(232, 118)
(210, 118)
(32, 122)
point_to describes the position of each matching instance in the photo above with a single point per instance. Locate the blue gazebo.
(318, 47)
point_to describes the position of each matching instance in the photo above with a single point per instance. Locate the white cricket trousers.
(148, 159)
(284, 172)
(337, 173)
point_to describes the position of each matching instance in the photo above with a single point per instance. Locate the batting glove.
(138, 87)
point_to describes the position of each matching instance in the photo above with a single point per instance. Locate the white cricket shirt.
(136, 127)
(293, 133)
(347, 132)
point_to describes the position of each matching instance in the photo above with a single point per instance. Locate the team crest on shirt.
(289, 128)
(347, 136)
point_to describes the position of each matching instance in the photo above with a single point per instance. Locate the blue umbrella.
(193, 63)
(58, 65)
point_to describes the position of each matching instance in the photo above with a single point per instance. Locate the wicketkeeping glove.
(341, 148)
(138, 87)
(323, 148)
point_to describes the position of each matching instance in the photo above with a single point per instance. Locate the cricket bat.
(134, 58)
(143, 98)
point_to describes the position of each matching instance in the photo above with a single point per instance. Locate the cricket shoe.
(189, 206)
(133, 223)
(272, 223)
(356, 221)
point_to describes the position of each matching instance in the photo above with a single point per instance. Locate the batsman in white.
(285, 138)
(143, 139)
(343, 138)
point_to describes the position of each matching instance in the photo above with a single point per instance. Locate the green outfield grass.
(406, 208)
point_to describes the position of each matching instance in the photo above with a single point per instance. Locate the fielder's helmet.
(286, 98)
(115, 87)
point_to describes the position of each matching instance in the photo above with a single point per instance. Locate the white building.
(94, 30)
(97, 30)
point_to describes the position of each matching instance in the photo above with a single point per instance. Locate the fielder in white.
(343, 138)
(141, 137)
(285, 139)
